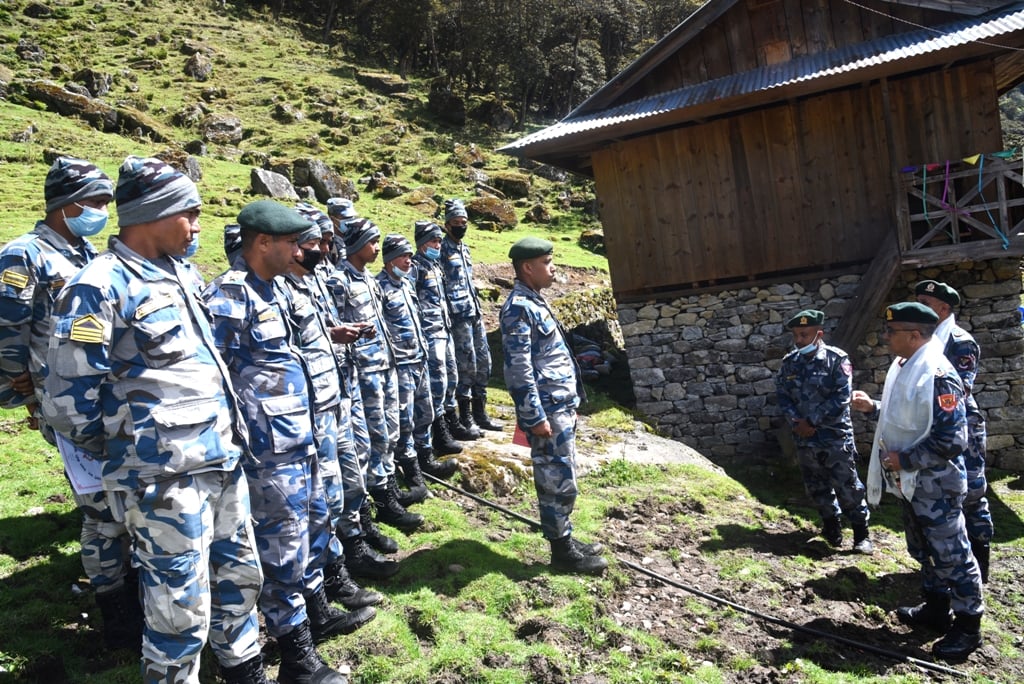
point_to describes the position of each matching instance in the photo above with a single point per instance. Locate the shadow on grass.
(436, 567)
(759, 540)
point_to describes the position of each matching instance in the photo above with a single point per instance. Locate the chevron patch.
(88, 329)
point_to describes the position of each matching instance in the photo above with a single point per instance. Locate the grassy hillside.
(260, 66)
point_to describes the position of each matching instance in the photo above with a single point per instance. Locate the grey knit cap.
(425, 231)
(395, 245)
(72, 180)
(150, 189)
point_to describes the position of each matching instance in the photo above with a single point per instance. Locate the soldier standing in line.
(813, 388)
(468, 334)
(437, 326)
(129, 344)
(543, 379)
(401, 315)
(33, 269)
(917, 456)
(964, 353)
(253, 331)
(358, 298)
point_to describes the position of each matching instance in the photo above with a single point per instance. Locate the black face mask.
(310, 258)
(458, 232)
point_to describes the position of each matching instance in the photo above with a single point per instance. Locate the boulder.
(37, 10)
(97, 82)
(382, 82)
(468, 155)
(494, 113)
(512, 183)
(592, 241)
(221, 129)
(538, 213)
(447, 106)
(325, 181)
(182, 161)
(286, 113)
(29, 51)
(272, 185)
(493, 209)
(199, 67)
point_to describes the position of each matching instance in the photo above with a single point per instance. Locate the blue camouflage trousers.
(199, 572)
(325, 433)
(554, 473)
(290, 512)
(415, 410)
(831, 481)
(472, 355)
(353, 455)
(106, 546)
(443, 372)
(976, 510)
(379, 390)
(937, 539)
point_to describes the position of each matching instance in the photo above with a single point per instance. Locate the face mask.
(400, 273)
(432, 253)
(193, 247)
(809, 348)
(310, 258)
(458, 232)
(89, 222)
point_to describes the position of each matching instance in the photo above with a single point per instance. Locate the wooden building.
(766, 143)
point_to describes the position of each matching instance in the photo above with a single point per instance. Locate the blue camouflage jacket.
(457, 266)
(964, 353)
(33, 269)
(358, 298)
(133, 375)
(540, 371)
(817, 387)
(253, 332)
(401, 315)
(312, 338)
(431, 296)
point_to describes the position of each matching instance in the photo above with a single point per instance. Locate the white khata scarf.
(943, 331)
(905, 419)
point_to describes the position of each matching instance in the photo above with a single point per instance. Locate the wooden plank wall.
(798, 186)
(758, 32)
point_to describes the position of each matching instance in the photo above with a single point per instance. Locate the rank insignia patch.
(947, 402)
(14, 279)
(88, 329)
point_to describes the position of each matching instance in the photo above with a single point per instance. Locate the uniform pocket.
(290, 424)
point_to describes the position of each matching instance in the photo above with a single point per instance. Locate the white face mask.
(400, 273)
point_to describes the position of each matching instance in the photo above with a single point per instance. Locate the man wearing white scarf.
(963, 352)
(917, 456)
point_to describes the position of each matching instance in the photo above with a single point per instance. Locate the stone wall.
(703, 366)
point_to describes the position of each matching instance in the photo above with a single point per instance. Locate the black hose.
(884, 653)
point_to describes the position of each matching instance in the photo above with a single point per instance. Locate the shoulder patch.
(233, 278)
(947, 402)
(14, 278)
(152, 304)
(87, 329)
(847, 367)
(940, 372)
(268, 315)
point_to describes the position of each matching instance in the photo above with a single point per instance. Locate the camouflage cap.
(454, 208)
(394, 246)
(358, 232)
(72, 180)
(232, 241)
(341, 207)
(272, 218)
(807, 317)
(149, 189)
(425, 231)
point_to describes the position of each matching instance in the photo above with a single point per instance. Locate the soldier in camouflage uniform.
(401, 315)
(358, 298)
(316, 334)
(917, 455)
(437, 329)
(130, 344)
(468, 334)
(33, 269)
(543, 379)
(254, 332)
(813, 388)
(964, 353)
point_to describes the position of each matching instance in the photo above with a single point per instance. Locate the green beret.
(911, 312)
(272, 218)
(807, 317)
(940, 291)
(530, 248)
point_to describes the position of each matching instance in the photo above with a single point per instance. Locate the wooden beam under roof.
(972, 7)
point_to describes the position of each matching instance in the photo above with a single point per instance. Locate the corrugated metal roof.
(851, 58)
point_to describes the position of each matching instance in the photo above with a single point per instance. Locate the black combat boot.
(300, 663)
(832, 531)
(457, 429)
(484, 421)
(249, 672)
(960, 641)
(442, 470)
(981, 551)
(566, 557)
(933, 614)
(466, 418)
(595, 549)
(123, 621)
(441, 438)
(362, 561)
(862, 540)
(326, 621)
(339, 586)
(391, 512)
(406, 497)
(410, 468)
(372, 534)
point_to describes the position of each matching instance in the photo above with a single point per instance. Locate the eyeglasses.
(889, 330)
